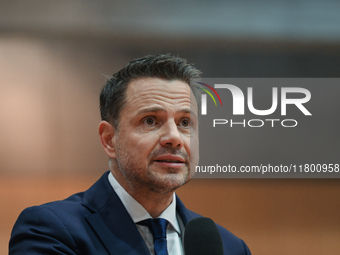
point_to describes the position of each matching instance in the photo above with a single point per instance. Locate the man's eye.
(149, 121)
(185, 123)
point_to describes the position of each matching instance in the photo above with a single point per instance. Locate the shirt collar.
(137, 211)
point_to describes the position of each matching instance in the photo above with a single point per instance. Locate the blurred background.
(55, 57)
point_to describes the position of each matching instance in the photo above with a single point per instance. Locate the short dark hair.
(164, 66)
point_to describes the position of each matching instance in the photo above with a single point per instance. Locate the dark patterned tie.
(158, 229)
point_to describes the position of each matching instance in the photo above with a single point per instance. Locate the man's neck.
(153, 202)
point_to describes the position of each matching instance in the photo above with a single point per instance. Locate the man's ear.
(106, 134)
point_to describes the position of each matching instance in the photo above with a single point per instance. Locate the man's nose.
(171, 136)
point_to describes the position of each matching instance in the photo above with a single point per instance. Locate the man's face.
(157, 139)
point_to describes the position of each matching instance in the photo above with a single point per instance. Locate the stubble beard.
(143, 178)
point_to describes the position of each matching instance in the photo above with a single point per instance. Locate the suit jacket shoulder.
(58, 227)
(91, 222)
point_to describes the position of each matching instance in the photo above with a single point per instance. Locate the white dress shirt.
(138, 213)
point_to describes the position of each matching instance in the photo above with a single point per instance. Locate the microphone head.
(201, 237)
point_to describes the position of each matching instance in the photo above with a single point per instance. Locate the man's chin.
(168, 182)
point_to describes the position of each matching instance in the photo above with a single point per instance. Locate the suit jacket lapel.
(111, 221)
(186, 215)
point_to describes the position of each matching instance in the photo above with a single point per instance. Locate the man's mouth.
(169, 160)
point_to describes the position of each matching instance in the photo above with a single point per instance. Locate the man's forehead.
(160, 89)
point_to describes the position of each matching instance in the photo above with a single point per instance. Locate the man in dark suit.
(149, 130)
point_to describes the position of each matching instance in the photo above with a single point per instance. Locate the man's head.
(150, 129)
(167, 67)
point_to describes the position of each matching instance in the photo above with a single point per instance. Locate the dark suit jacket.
(91, 222)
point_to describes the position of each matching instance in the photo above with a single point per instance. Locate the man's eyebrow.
(152, 109)
(160, 109)
(189, 111)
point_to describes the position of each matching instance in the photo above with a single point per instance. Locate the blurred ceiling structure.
(300, 20)
(56, 55)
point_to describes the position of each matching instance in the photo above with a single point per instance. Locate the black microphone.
(201, 237)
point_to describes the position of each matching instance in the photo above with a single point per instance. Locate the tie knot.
(157, 227)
